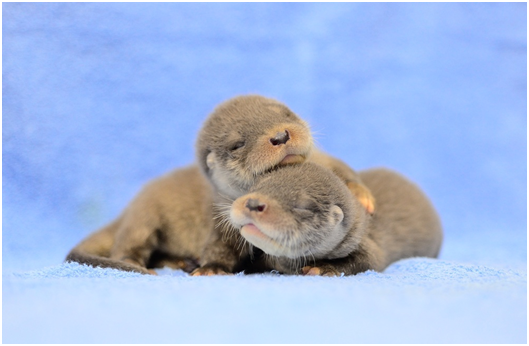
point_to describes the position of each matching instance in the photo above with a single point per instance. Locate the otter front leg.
(135, 242)
(358, 261)
(134, 256)
(221, 256)
(347, 266)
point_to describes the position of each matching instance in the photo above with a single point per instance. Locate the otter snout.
(252, 208)
(280, 138)
(253, 204)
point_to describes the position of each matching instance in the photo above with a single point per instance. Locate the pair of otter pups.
(261, 197)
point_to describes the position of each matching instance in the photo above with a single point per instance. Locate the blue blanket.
(414, 301)
(99, 98)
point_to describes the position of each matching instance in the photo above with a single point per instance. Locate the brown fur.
(235, 147)
(172, 221)
(155, 226)
(305, 220)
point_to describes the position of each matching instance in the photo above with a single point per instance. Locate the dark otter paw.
(186, 265)
(210, 270)
(323, 270)
(363, 194)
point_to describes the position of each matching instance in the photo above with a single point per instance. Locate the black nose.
(255, 205)
(280, 138)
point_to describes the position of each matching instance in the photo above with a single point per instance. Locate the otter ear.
(336, 215)
(211, 160)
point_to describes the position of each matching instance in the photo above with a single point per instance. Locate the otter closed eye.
(303, 213)
(306, 210)
(237, 145)
(306, 205)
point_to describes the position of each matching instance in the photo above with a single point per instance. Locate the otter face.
(295, 212)
(247, 136)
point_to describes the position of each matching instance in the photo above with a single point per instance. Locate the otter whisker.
(304, 261)
(219, 216)
(250, 250)
(227, 199)
(240, 243)
(313, 258)
(225, 226)
(316, 133)
(297, 263)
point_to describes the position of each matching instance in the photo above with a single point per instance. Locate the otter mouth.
(292, 159)
(255, 236)
(252, 230)
(266, 243)
(288, 159)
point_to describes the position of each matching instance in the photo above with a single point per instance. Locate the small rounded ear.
(211, 159)
(336, 215)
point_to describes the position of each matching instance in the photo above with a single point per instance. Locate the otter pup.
(171, 221)
(167, 223)
(243, 139)
(306, 221)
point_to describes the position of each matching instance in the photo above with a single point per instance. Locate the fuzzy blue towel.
(415, 301)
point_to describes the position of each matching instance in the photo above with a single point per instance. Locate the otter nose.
(280, 138)
(254, 205)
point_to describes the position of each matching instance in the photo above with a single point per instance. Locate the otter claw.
(208, 272)
(319, 271)
(312, 271)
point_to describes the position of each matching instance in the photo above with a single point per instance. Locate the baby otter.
(243, 139)
(306, 221)
(171, 221)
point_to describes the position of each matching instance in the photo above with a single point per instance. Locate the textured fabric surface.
(99, 98)
(414, 301)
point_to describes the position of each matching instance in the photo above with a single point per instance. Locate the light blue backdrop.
(99, 98)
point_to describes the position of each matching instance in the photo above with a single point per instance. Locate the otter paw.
(308, 270)
(363, 194)
(137, 266)
(325, 270)
(209, 271)
(187, 265)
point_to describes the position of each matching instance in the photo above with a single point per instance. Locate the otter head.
(301, 211)
(247, 136)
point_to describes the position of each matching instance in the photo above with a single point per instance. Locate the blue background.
(99, 98)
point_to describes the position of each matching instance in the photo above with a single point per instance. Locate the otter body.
(157, 228)
(173, 221)
(305, 221)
